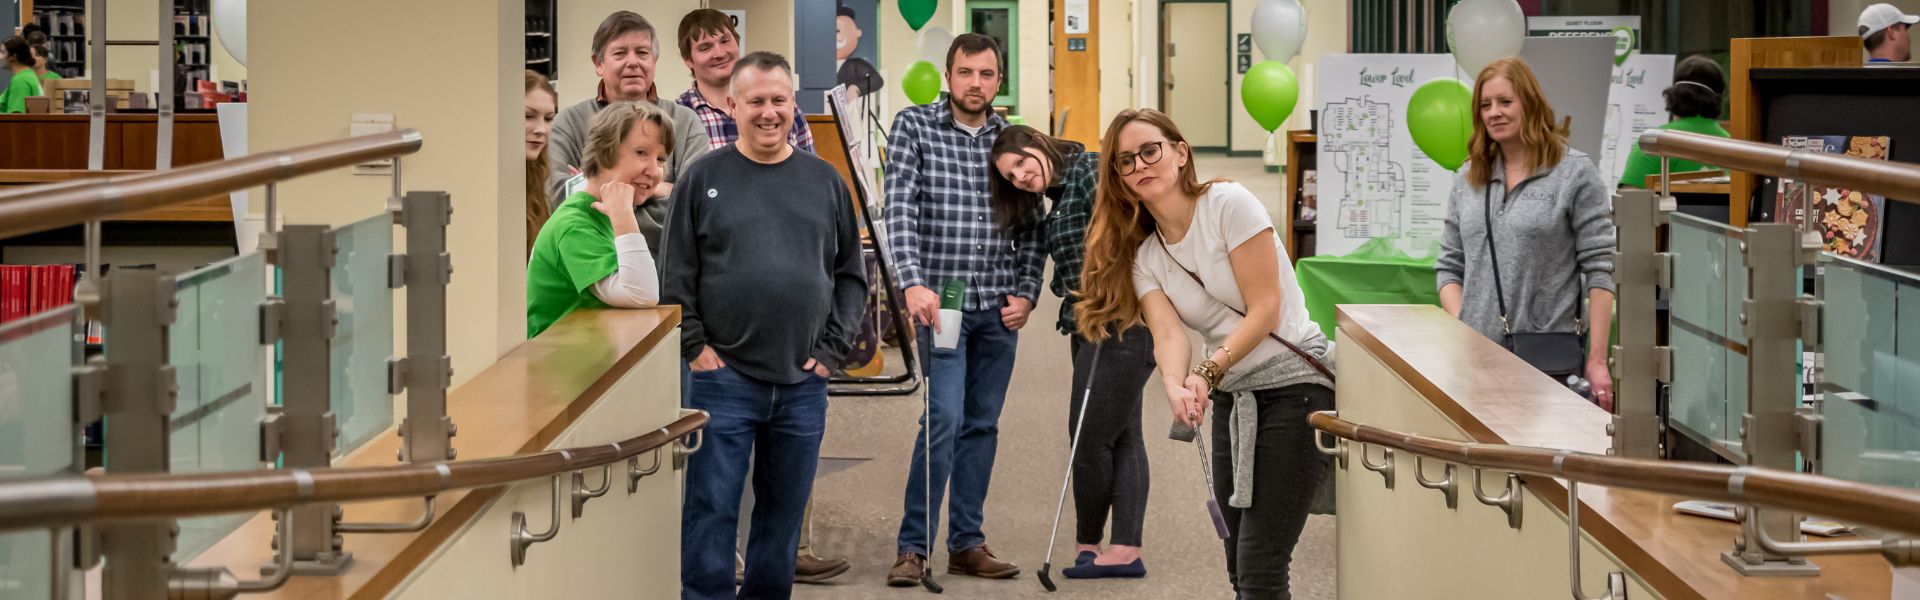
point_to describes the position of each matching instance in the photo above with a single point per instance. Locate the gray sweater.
(569, 141)
(1556, 227)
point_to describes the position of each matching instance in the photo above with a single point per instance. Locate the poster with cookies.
(1850, 222)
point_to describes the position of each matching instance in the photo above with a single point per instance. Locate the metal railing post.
(426, 371)
(1770, 321)
(1640, 364)
(306, 256)
(139, 398)
(163, 94)
(97, 97)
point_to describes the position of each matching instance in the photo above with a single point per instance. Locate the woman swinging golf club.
(1108, 455)
(1172, 251)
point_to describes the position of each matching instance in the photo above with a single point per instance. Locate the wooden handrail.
(39, 208)
(1883, 507)
(41, 503)
(1894, 180)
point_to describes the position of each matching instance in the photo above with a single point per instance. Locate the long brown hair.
(1120, 223)
(1014, 207)
(1546, 144)
(537, 207)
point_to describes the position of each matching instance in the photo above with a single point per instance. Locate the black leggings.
(1287, 472)
(1110, 466)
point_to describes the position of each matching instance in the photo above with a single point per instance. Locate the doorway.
(1000, 20)
(1195, 78)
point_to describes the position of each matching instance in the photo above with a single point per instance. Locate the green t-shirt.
(573, 251)
(23, 84)
(49, 76)
(1640, 165)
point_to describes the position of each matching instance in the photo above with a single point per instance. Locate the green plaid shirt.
(1066, 228)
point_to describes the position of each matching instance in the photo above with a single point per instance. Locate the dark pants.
(967, 387)
(778, 429)
(1110, 463)
(1287, 472)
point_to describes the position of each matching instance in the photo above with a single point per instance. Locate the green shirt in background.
(1640, 165)
(50, 76)
(23, 84)
(573, 251)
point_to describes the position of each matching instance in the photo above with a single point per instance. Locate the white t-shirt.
(1223, 218)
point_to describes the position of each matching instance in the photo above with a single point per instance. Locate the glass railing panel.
(222, 381)
(1871, 430)
(1709, 368)
(37, 432)
(364, 340)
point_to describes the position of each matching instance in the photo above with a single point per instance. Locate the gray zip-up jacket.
(569, 142)
(1556, 226)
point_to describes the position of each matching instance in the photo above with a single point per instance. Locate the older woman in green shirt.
(22, 81)
(1694, 102)
(590, 253)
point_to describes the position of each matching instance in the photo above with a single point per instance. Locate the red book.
(11, 292)
(36, 288)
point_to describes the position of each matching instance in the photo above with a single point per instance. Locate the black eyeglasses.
(1149, 154)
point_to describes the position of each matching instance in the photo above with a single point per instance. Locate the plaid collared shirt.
(940, 226)
(1066, 228)
(721, 130)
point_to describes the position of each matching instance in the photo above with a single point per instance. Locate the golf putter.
(1185, 433)
(926, 456)
(1046, 566)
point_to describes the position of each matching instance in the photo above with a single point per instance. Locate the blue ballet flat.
(1084, 558)
(1088, 570)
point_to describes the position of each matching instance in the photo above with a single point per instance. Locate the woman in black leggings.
(1110, 467)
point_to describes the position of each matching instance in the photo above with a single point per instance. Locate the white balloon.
(1483, 31)
(230, 25)
(1279, 28)
(934, 42)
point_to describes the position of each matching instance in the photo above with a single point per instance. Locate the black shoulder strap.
(1498, 291)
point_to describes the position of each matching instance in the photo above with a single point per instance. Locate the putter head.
(1181, 432)
(1046, 576)
(926, 581)
(1219, 520)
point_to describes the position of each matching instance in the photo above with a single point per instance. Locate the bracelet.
(1209, 371)
(1229, 351)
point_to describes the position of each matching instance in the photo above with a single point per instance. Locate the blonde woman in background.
(542, 104)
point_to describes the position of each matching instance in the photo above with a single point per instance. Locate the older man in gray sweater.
(625, 50)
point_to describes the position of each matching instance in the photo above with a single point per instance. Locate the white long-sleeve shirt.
(635, 283)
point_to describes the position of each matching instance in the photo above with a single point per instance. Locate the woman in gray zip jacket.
(1551, 221)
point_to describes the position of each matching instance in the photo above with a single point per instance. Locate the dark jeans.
(1110, 464)
(966, 388)
(1287, 472)
(783, 423)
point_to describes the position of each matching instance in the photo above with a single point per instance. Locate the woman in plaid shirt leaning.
(1110, 467)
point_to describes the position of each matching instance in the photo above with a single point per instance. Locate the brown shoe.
(906, 570)
(808, 568)
(979, 561)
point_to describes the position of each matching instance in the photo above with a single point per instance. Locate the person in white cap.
(1883, 29)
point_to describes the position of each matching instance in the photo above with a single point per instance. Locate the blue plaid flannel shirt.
(940, 225)
(1066, 228)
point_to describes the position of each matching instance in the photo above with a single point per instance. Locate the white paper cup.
(948, 336)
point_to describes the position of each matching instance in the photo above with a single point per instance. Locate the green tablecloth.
(1375, 274)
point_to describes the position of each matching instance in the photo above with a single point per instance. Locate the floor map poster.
(1635, 103)
(1374, 183)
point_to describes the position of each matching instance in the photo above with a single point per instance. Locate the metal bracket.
(217, 583)
(581, 493)
(1446, 484)
(1616, 581)
(396, 271)
(419, 524)
(1663, 269)
(89, 390)
(273, 315)
(1385, 468)
(1338, 450)
(519, 538)
(397, 377)
(1811, 324)
(635, 473)
(1508, 501)
(1663, 363)
(1808, 426)
(271, 427)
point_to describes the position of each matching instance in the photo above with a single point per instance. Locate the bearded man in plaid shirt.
(941, 228)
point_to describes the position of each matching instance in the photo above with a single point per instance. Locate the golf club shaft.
(1073, 448)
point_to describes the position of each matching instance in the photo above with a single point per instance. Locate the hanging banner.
(1625, 30)
(1635, 103)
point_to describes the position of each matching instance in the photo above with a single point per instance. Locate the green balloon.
(1269, 92)
(918, 12)
(922, 83)
(1440, 119)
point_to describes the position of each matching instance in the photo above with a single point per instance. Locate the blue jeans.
(785, 423)
(966, 388)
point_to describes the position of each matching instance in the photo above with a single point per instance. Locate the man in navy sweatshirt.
(762, 254)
